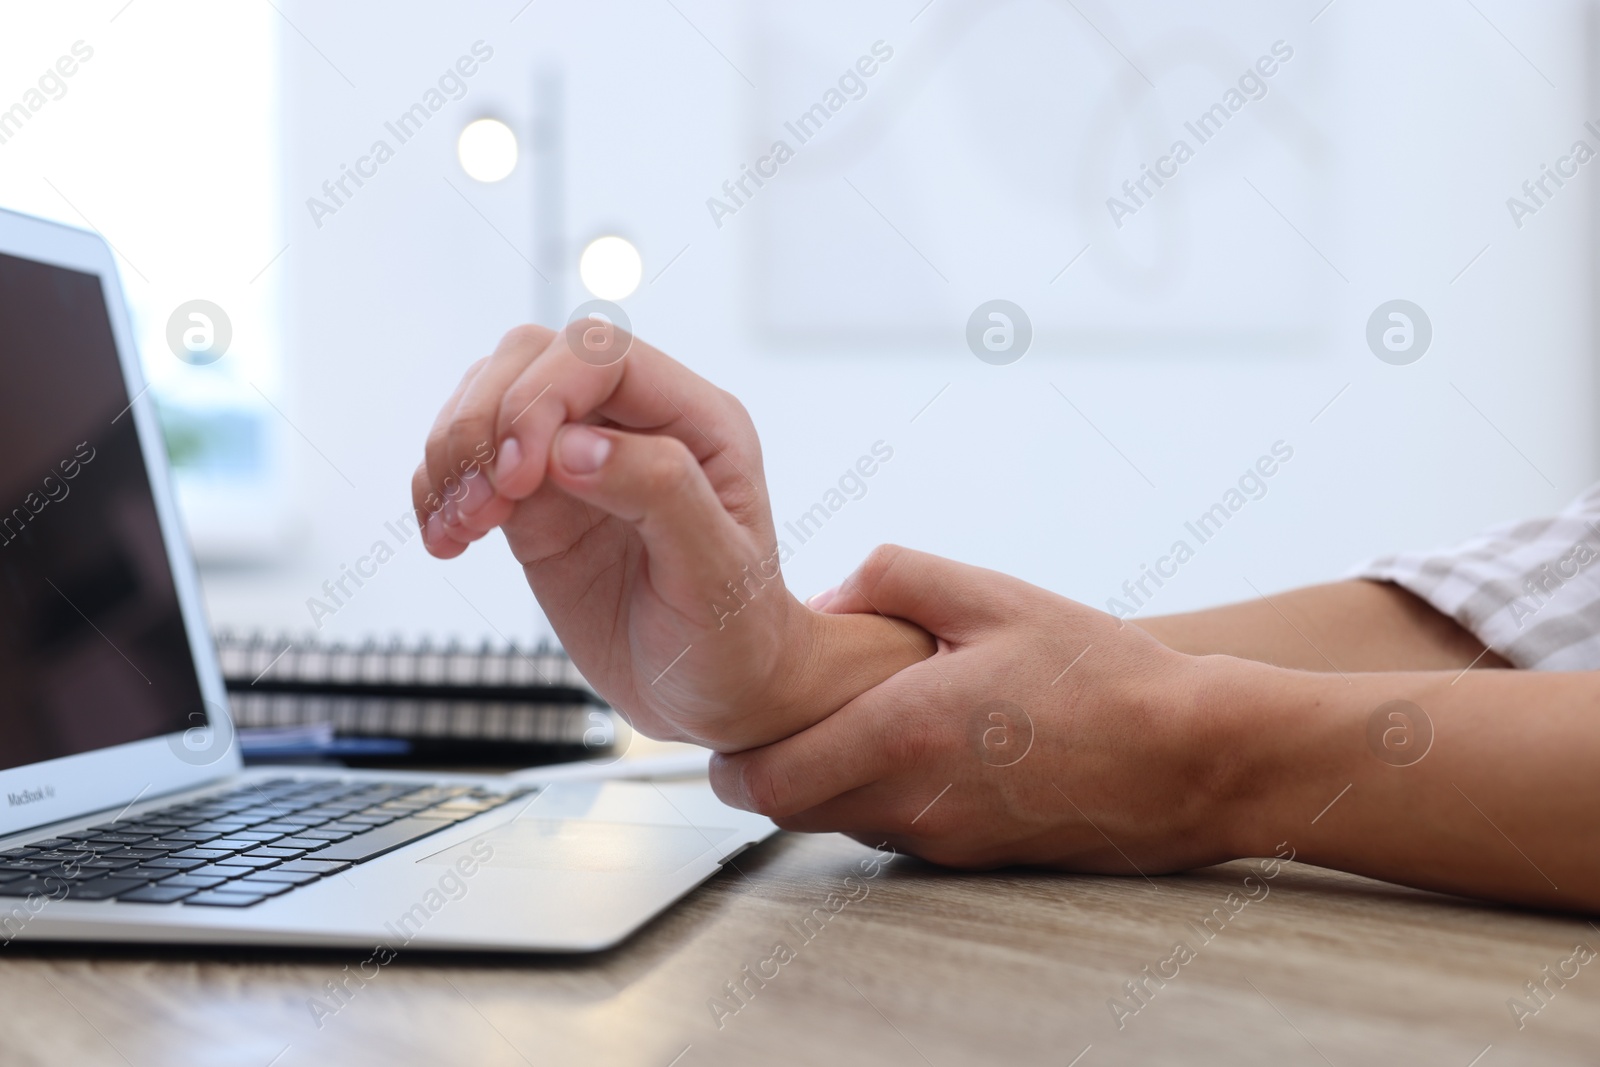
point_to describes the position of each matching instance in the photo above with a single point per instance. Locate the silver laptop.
(127, 815)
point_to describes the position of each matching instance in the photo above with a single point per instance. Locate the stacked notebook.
(394, 702)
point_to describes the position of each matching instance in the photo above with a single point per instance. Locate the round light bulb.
(487, 149)
(611, 268)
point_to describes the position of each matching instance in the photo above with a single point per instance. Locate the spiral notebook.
(397, 702)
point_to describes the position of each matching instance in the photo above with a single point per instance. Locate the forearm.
(1504, 803)
(1342, 626)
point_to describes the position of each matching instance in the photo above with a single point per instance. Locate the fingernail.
(479, 492)
(510, 459)
(582, 450)
(822, 599)
(433, 531)
(452, 513)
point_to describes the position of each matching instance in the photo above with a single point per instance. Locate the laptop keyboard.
(236, 849)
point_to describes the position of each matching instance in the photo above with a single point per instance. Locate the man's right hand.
(632, 493)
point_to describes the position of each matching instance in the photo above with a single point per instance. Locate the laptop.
(127, 813)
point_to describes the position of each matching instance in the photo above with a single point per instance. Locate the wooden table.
(924, 966)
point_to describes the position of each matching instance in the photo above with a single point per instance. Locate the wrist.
(1288, 739)
(836, 658)
(1244, 709)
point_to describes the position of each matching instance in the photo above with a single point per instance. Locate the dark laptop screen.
(92, 646)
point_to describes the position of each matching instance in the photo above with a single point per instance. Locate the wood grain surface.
(918, 966)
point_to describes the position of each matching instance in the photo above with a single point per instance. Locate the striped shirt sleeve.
(1528, 590)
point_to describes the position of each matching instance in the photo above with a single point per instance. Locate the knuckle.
(420, 485)
(735, 406)
(528, 337)
(518, 400)
(880, 560)
(669, 465)
(470, 429)
(435, 447)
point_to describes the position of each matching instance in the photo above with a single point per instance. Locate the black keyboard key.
(325, 834)
(312, 866)
(248, 861)
(105, 863)
(232, 844)
(194, 835)
(176, 863)
(376, 842)
(156, 894)
(101, 888)
(135, 853)
(12, 876)
(213, 871)
(264, 886)
(166, 845)
(49, 842)
(122, 838)
(216, 899)
(369, 819)
(305, 844)
(255, 835)
(30, 887)
(281, 827)
(221, 827)
(29, 866)
(70, 874)
(180, 822)
(201, 854)
(149, 874)
(278, 874)
(190, 881)
(278, 853)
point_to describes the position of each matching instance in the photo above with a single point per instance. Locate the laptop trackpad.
(587, 845)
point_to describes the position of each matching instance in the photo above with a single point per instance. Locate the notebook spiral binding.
(419, 691)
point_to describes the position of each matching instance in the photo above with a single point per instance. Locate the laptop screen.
(93, 651)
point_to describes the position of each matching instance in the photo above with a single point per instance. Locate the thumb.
(945, 598)
(655, 484)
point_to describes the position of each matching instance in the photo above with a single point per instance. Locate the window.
(158, 128)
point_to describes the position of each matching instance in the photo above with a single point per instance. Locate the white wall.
(1193, 338)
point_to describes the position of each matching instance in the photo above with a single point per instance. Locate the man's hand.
(632, 493)
(1042, 732)
(1046, 733)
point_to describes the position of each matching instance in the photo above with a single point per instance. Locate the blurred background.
(1175, 339)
